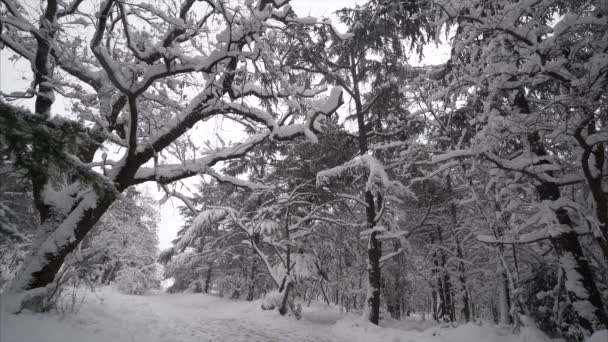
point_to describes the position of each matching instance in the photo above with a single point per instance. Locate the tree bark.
(461, 268)
(251, 288)
(446, 311)
(466, 311)
(580, 284)
(374, 247)
(504, 298)
(41, 266)
(284, 303)
(208, 279)
(374, 278)
(595, 154)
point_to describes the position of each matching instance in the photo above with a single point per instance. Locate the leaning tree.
(140, 77)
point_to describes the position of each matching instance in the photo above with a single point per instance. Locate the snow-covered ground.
(111, 316)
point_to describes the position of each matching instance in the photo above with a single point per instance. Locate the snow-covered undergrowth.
(111, 316)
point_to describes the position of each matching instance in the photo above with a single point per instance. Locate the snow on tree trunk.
(580, 285)
(592, 162)
(46, 257)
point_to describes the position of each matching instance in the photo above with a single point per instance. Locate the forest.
(315, 160)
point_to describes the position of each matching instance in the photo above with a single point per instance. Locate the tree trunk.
(592, 162)
(466, 310)
(283, 308)
(436, 291)
(461, 268)
(323, 292)
(46, 257)
(444, 285)
(110, 275)
(466, 313)
(586, 301)
(312, 292)
(208, 279)
(374, 247)
(393, 305)
(251, 288)
(434, 304)
(504, 300)
(580, 284)
(447, 288)
(374, 276)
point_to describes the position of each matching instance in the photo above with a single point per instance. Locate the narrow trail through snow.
(108, 316)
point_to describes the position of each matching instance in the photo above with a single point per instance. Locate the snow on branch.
(252, 113)
(61, 236)
(69, 8)
(267, 93)
(535, 236)
(314, 21)
(391, 255)
(367, 232)
(452, 155)
(389, 235)
(203, 221)
(18, 48)
(376, 173)
(169, 173)
(172, 172)
(540, 168)
(597, 138)
(237, 181)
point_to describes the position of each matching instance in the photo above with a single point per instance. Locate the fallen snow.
(111, 316)
(599, 336)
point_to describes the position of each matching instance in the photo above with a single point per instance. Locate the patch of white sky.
(16, 76)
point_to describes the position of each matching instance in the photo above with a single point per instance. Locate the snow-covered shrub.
(274, 300)
(231, 285)
(137, 281)
(67, 292)
(18, 221)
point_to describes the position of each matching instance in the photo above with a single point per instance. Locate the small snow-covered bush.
(231, 285)
(274, 300)
(137, 281)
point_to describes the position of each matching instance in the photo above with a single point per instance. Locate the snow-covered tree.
(366, 56)
(537, 71)
(139, 84)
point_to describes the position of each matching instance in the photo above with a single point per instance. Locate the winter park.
(276, 170)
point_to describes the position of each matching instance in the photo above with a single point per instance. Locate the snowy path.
(206, 318)
(113, 317)
(165, 318)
